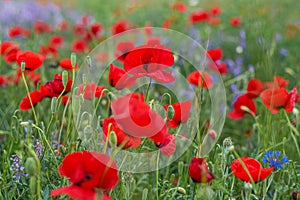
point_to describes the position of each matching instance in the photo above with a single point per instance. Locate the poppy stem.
(293, 131)
(28, 94)
(147, 90)
(157, 175)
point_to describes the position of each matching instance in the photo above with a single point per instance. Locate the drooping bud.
(30, 166)
(171, 112)
(65, 77)
(53, 105)
(181, 190)
(113, 138)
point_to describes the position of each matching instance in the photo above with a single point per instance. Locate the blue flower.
(274, 160)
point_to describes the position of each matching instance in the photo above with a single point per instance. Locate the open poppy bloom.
(215, 54)
(235, 21)
(119, 78)
(120, 27)
(199, 16)
(199, 172)
(66, 64)
(276, 98)
(96, 29)
(181, 113)
(277, 81)
(149, 60)
(241, 106)
(42, 27)
(256, 171)
(254, 88)
(32, 60)
(168, 146)
(123, 140)
(87, 172)
(179, 6)
(91, 90)
(218, 66)
(200, 79)
(79, 46)
(18, 31)
(122, 49)
(35, 97)
(6, 47)
(55, 87)
(56, 40)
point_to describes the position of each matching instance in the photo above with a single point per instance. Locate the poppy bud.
(145, 194)
(53, 105)
(30, 166)
(199, 172)
(23, 66)
(171, 112)
(73, 60)
(65, 77)
(172, 178)
(181, 190)
(180, 168)
(113, 138)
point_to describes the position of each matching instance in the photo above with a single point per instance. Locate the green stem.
(147, 90)
(157, 175)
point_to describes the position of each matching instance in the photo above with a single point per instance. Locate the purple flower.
(16, 168)
(38, 148)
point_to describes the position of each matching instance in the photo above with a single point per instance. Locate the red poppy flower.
(277, 81)
(215, 54)
(49, 50)
(79, 46)
(235, 21)
(199, 172)
(254, 88)
(6, 47)
(96, 29)
(166, 24)
(168, 146)
(218, 66)
(196, 78)
(56, 40)
(120, 27)
(179, 6)
(181, 113)
(214, 21)
(122, 49)
(87, 171)
(276, 98)
(119, 78)
(256, 171)
(63, 26)
(137, 119)
(11, 56)
(238, 111)
(215, 10)
(55, 87)
(15, 31)
(91, 90)
(123, 140)
(65, 99)
(150, 61)
(32, 60)
(66, 64)
(79, 29)
(42, 27)
(35, 97)
(199, 16)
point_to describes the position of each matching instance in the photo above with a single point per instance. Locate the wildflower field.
(139, 100)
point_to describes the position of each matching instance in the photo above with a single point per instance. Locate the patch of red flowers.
(55, 87)
(200, 79)
(235, 21)
(123, 140)
(254, 88)
(32, 60)
(119, 78)
(255, 170)
(149, 60)
(181, 113)
(199, 172)
(243, 105)
(88, 172)
(91, 90)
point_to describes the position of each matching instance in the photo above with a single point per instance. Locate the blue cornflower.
(274, 160)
